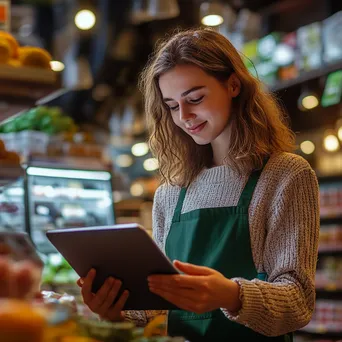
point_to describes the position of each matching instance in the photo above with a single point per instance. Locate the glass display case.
(12, 199)
(67, 196)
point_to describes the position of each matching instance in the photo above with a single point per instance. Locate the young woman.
(237, 212)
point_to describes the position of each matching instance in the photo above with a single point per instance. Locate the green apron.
(217, 238)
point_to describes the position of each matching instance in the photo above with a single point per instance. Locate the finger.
(100, 297)
(176, 299)
(192, 269)
(80, 282)
(189, 294)
(87, 285)
(119, 305)
(110, 297)
(5, 278)
(180, 281)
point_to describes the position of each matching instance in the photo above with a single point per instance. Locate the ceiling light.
(339, 133)
(151, 164)
(139, 149)
(307, 99)
(307, 147)
(137, 189)
(85, 19)
(57, 66)
(310, 102)
(124, 160)
(331, 143)
(211, 13)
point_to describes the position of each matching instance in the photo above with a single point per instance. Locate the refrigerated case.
(12, 203)
(67, 194)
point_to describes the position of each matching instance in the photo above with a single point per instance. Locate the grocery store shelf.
(22, 87)
(320, 333)
(307, 76)
(331, 220)
(330, 249)
(330, 179)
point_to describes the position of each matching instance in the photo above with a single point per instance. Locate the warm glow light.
(151, 164)
(57, 66)
(310, 102)
(331, 143)
(137, 189)
(307, 147)
(212, 20)
(139, 149)
(85, 19)
(339, 133)
(124, 160)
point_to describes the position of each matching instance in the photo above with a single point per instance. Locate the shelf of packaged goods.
(320, 332)
(22, 87)
(307, 76)
(330, 291)
(331, 220)
(335, 249)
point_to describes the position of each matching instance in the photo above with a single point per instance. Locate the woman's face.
(199, 104)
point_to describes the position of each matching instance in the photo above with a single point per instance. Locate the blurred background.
(73, 149)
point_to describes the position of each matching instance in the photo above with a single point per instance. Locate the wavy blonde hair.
(258, 125)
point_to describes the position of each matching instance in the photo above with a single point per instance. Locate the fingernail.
(81, 281)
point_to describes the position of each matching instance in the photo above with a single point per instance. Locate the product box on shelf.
(28, 143)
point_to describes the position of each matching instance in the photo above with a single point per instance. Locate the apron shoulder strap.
(179, 206)
(247, 193)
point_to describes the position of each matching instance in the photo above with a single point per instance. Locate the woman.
(237, 211)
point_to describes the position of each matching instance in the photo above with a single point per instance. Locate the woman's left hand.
(200, 289)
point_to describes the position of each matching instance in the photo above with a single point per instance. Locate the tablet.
(125, 252)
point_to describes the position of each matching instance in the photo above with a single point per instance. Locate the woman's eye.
(174, 108)
(199, 99)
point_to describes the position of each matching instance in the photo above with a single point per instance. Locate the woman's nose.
(185, 114)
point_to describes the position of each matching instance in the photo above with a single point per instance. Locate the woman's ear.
(234, 85)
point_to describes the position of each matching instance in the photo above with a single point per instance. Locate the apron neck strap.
(247, 193)
(178, 210)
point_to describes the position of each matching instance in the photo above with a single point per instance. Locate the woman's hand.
(18, 280)
(101, 303)
(200, 289)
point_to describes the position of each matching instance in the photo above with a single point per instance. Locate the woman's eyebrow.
(187, 92)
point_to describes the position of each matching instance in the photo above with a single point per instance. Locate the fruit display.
(27, 56)
(57, 272)
(50, 120)
(42, 321)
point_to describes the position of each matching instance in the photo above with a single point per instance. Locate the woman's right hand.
(101, 303)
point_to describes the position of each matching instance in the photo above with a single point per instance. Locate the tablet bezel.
(127, 246)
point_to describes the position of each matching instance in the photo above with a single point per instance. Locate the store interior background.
(97, 88)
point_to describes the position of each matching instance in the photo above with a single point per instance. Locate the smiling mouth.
(197, 128)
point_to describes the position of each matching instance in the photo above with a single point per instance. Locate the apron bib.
(217, 238)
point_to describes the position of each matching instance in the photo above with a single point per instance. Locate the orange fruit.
(14, 46)
(19, 321)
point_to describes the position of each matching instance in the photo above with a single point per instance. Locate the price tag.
(5, 15)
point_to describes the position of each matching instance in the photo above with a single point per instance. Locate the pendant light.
(211, 13)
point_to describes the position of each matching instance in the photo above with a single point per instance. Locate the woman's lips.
(197, 129)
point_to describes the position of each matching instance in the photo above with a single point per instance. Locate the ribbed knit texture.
(284, 231)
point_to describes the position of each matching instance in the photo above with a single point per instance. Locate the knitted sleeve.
(141, 318)
(285, 302)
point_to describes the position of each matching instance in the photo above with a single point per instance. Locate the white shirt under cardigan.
(284, 231)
